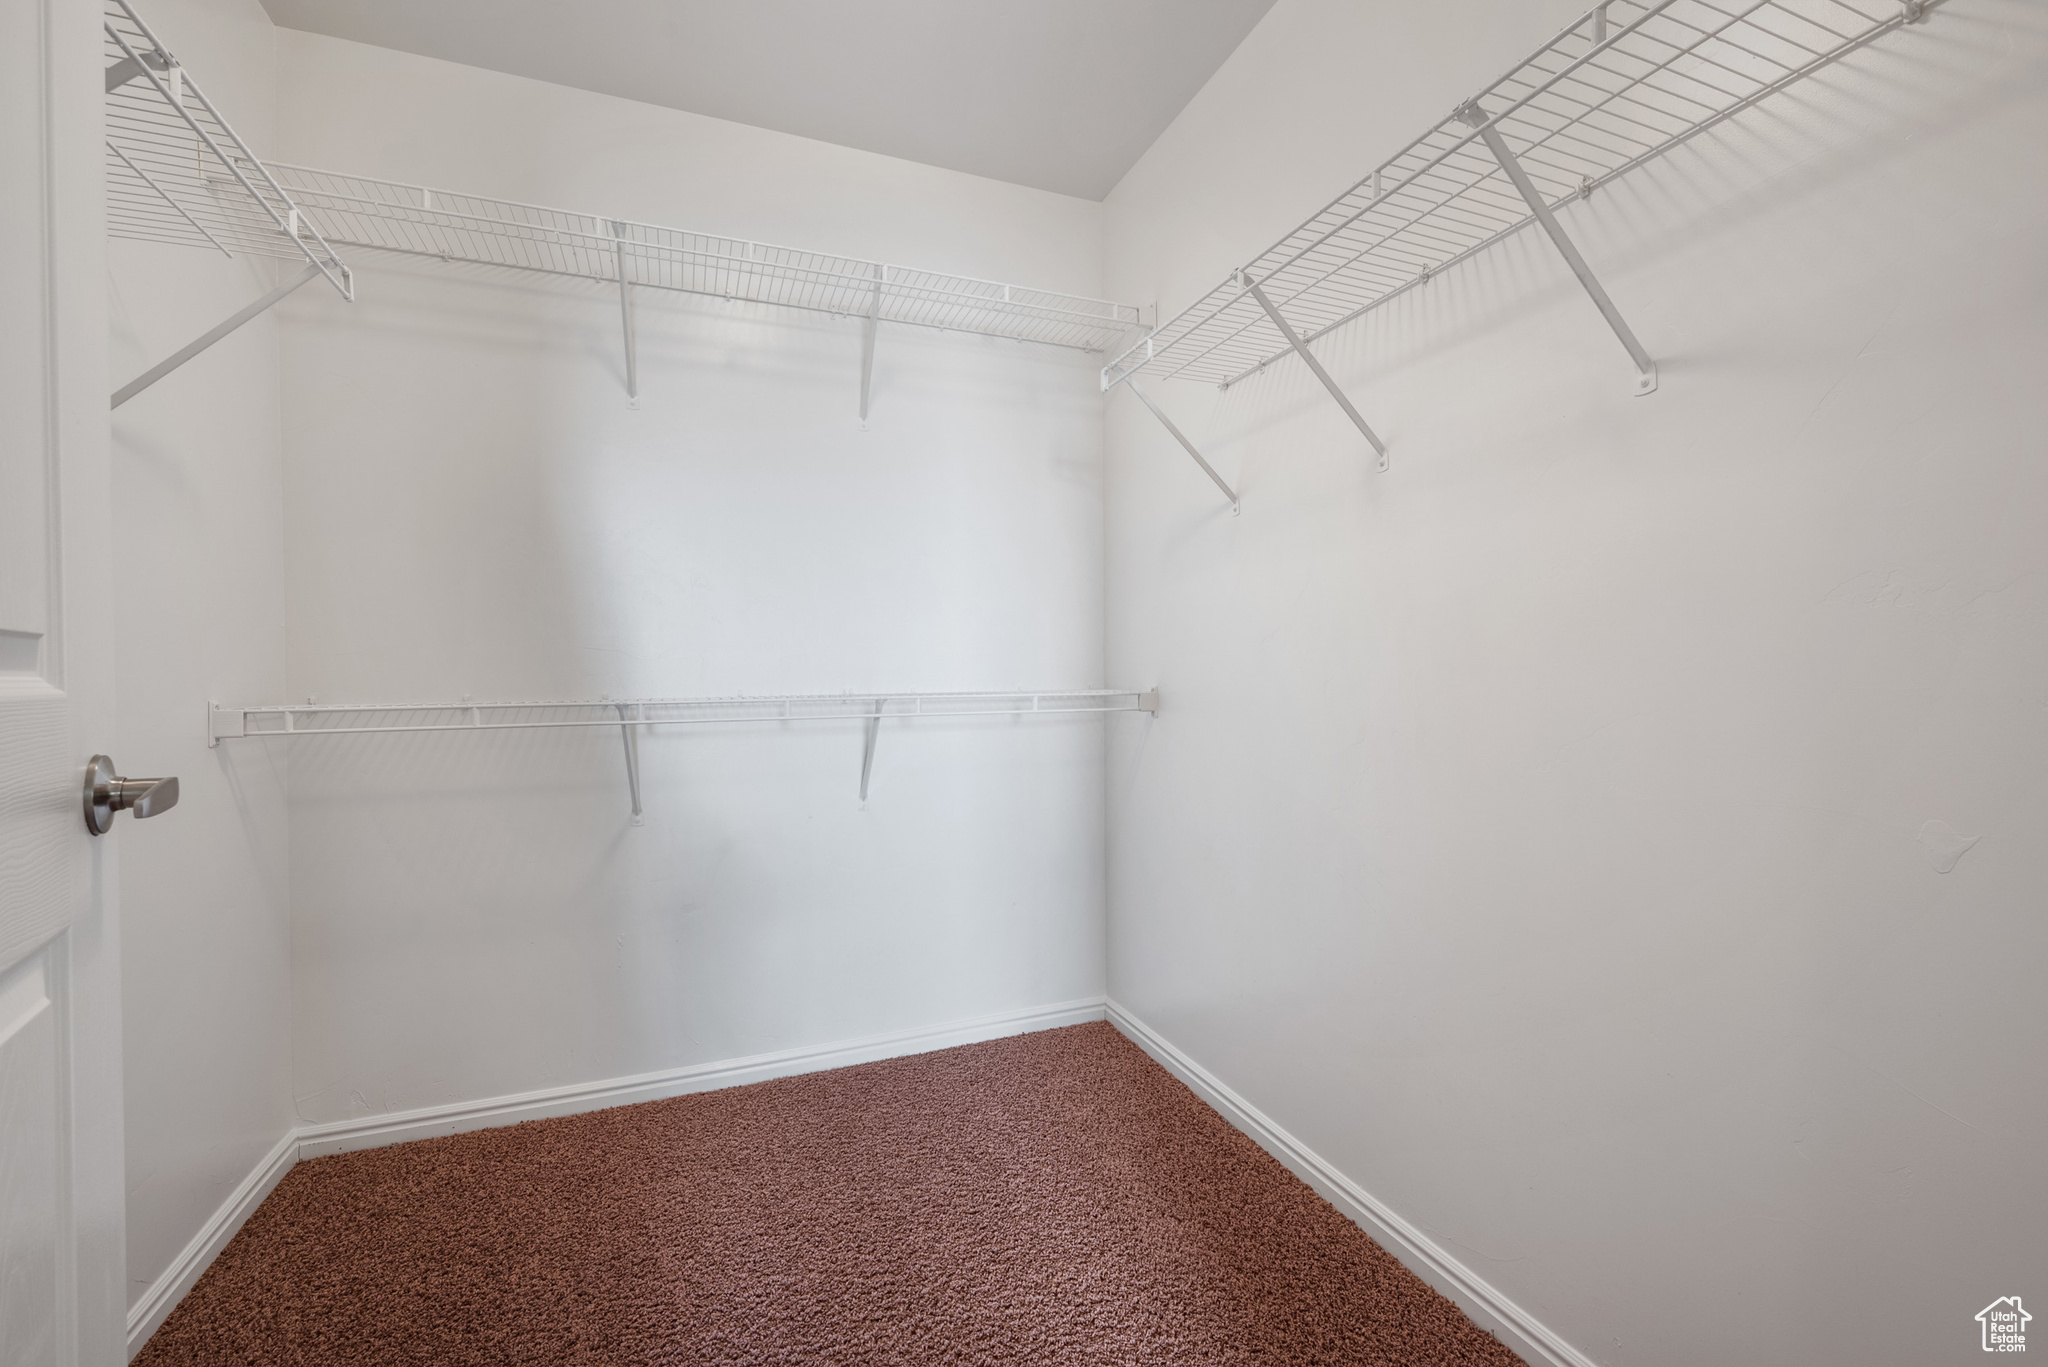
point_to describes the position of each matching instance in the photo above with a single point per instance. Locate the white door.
(61, 1281)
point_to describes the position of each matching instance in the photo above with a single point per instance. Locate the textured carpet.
(1053, 1198)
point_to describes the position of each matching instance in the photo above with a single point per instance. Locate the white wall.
(1532, 830)
(198, 537)
(471, 509)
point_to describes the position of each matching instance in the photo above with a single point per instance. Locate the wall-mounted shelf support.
(629, 715)
(867, 356)
(129, 68)
(208, 338)
(1476, 117)
(1293, 339)
(867, 752)
(1186, 445)
(626, 321)
(632, 741)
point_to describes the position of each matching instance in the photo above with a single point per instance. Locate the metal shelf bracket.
(129, 68)
(1475, 117)
(867, 362)
(632, 347)
(1301, 349)
(632, 740)
(1186, 445)
(208, 338)
(867, 753)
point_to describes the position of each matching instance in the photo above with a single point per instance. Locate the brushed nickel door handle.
(107, 793)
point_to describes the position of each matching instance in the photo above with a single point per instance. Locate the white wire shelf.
(627, 715)
(177, 172)
(421, 221)
(313, 719)
(1629, 81)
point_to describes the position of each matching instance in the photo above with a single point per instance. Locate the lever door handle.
(106, 793)
(145, 796)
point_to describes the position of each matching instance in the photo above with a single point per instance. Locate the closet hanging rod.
(1625, 83)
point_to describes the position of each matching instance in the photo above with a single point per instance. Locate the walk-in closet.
(1049, 682)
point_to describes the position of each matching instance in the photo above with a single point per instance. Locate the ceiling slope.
(1063, 95)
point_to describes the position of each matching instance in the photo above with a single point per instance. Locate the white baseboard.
(166, 1291)
(311, 1141)
(1486, 1307)
(376, 1131)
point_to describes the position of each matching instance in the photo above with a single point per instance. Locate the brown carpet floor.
(1054, 1198)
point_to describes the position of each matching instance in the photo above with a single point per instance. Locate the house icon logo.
(2005, 1325)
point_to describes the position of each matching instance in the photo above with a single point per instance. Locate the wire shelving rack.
(421, 221)
(177, 172)
(417, 220)
(1627, 82)
(628, 714)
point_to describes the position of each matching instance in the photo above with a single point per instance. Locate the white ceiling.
(1060, 94)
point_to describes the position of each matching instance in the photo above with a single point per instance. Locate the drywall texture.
(1562, 833)
(198, 546)
(473, 510)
